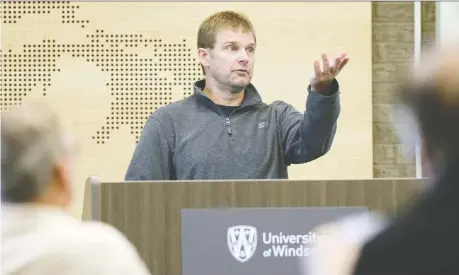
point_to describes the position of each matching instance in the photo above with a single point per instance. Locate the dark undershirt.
(227, 110)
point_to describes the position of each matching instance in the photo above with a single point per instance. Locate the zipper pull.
(228, 126)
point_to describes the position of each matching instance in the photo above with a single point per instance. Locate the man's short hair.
(207, 33)
(431, 93)
(32, 141)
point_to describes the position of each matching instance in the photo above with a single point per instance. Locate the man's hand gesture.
(324, 76)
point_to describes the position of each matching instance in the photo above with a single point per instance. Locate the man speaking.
(224, 130)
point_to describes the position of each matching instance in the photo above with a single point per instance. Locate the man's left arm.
(309, 136)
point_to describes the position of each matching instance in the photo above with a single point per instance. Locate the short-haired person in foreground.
(423, 240)
(38, 237)
(224, 130)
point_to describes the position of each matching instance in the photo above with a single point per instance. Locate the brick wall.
(393, 49)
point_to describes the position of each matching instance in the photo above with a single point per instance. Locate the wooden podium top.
(377, 194)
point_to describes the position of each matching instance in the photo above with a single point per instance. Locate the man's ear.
(62, 176)
(204, 56)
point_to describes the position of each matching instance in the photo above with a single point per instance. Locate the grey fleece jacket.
(192, 139)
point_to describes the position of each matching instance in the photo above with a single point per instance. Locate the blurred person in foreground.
(424, 240)
(38, 236)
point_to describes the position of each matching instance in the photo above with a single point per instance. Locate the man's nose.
(243, 56)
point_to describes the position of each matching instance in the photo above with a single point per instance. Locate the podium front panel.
(247, 241)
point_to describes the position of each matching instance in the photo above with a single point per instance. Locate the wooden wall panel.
(105, 66)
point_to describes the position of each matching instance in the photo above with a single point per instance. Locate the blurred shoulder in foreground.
(337, 252)
(38, 235)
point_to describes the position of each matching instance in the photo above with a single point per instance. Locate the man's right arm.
(152, 158)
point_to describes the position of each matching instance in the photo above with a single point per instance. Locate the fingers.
(342, 55)
(334, 68)
(343, 63)
(326, 64)
(317, 70)
(336, 64)
(343, 59)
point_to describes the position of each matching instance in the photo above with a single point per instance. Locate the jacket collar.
(251, 97)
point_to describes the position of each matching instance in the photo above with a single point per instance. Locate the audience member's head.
(36, 157)
(430, 102)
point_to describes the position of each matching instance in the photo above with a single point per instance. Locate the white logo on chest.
(262, 124)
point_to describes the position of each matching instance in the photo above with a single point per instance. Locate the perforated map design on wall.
(137, 85)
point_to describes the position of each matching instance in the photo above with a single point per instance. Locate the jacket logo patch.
(262, 125)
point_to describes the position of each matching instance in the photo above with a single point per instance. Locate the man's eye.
(232, 48)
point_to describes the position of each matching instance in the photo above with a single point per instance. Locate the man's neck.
(223, 97)
(53, 197)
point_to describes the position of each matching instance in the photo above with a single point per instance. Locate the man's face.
(232, 59)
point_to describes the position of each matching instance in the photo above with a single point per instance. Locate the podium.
(148, 213)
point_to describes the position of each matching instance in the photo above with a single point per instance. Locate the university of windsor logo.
(242, 242)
